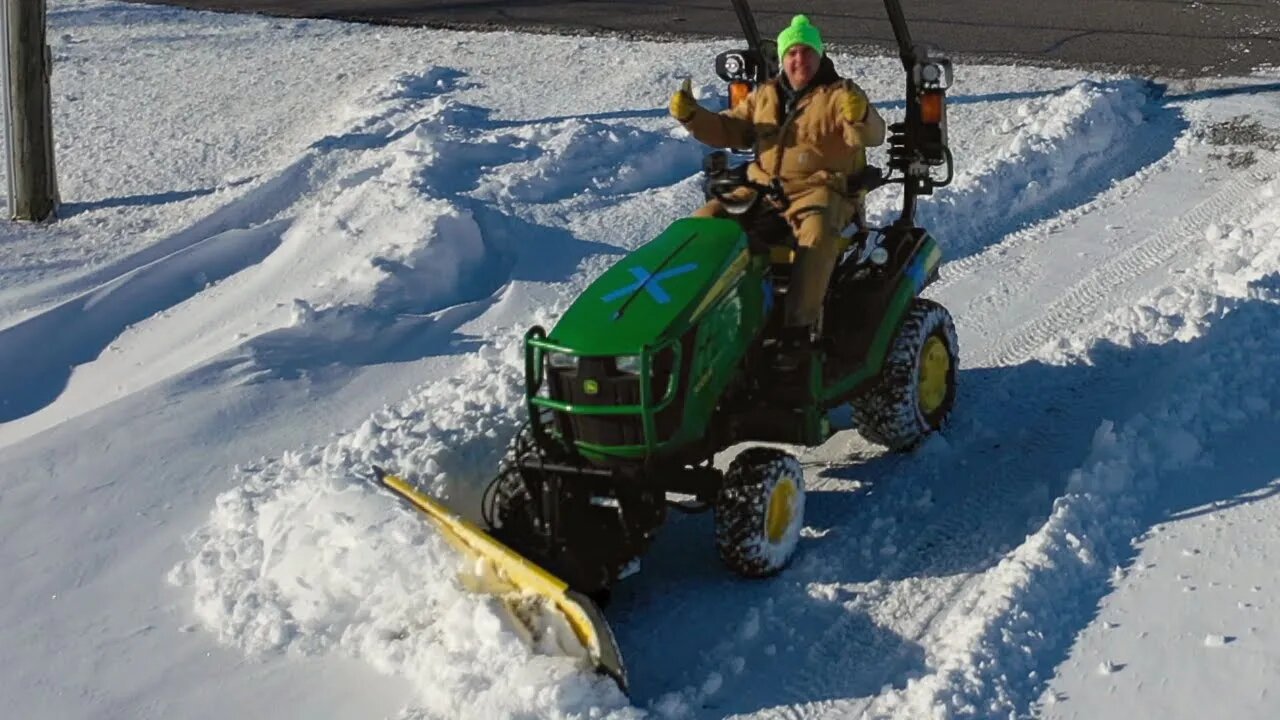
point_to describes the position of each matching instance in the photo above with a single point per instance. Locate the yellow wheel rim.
(782, 503)
(935, 366)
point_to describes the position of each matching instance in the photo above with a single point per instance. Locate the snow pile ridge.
(305, 556)
(1064, 143)
(416, 247)
(603, 159)
(451, 427)
(988, 656)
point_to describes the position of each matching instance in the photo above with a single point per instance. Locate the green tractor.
(666, 360)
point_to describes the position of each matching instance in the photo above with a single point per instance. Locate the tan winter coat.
(813, 151)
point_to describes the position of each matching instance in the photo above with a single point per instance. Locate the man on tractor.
(809, 129)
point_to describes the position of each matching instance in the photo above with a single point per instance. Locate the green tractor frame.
(664, 361)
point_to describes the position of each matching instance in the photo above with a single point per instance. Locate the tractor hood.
(652, 293)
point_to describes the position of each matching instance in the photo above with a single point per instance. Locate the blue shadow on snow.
(952, 509)
(38, 355)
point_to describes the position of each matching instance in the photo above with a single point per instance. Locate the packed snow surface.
(291, 250)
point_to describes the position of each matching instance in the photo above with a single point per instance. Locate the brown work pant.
(817, 231)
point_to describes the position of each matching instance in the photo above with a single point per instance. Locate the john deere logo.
(590, 387)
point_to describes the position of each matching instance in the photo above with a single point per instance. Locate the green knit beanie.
(800, 32)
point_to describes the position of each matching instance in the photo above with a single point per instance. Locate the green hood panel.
(656, 288)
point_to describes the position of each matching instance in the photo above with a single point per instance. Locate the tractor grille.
(613, 387)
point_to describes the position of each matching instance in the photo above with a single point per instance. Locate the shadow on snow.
(1019, 432)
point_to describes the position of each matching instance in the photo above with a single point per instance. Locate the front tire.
(759, 512)
(917, 386)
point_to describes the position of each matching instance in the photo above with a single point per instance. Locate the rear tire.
(916, 389)
(759, 512)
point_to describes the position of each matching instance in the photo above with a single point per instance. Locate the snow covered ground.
(291, 249)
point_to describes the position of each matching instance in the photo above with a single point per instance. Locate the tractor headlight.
(562, 361)
(629, 364)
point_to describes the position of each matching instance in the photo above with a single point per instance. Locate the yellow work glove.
(853, 107)
(682, 103)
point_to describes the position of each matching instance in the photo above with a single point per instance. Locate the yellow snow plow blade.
(498, 570)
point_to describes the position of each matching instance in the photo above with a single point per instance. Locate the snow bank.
(602, 159)
(1058, 151)
(986, 655)
(326, 255)
(305, 556)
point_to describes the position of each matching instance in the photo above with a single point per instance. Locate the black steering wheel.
(724, 189)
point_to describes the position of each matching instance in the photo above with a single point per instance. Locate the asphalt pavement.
(1156, 37)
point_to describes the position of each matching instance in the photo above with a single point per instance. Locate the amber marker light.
(931, 104)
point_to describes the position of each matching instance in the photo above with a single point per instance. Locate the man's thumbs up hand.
(682, 103)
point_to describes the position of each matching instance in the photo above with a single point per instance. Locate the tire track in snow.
(1065, 160)
(963, 528)
(1086, 297)
(994, 257)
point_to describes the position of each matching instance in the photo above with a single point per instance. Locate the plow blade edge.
(505, 573)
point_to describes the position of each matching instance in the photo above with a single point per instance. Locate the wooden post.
(33, 185)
